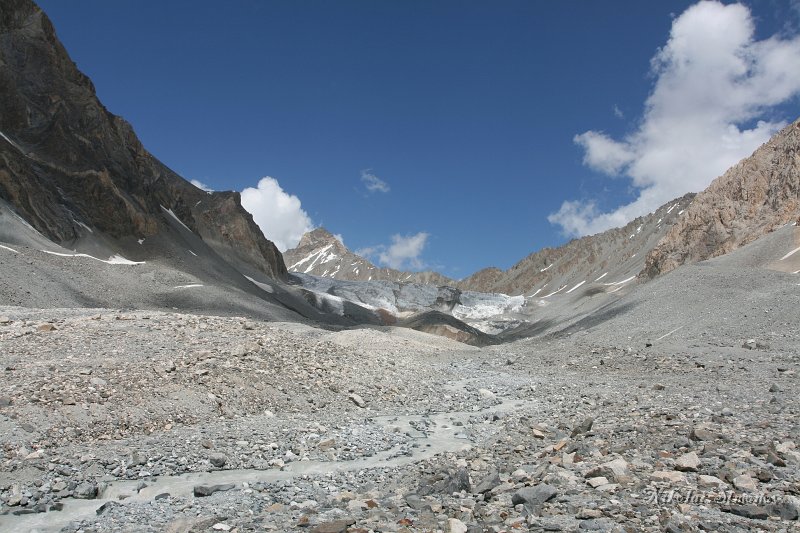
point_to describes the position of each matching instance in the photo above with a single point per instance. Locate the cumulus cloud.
(404, 252)
(710, 106)
(372, 182)
(202, 186)
(279, 214)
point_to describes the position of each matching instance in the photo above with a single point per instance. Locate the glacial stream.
(445, 432)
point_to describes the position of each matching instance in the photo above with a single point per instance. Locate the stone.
(335, 526)
(669, 476)
(688, 462)
(356, 399)
(583, 427)
(105, 507)
(5, 401)
(415, 502)
(86, 491)
(595, 482)
(747, 511)
(616, 471)
(753, 344)
(485, 394)
(5, 320)
(700, 433)
(454, 525)
(46, 327)
(220, 526)
(788, 508)
(745, 483)
(327, 444)
(207, 490)
(218, 459)
(488, 483)
(710, 482)
(456, 481)
(533, 497)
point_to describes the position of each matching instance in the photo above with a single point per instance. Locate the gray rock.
(753, 512)
(415, 502)
(786, 509)
(583, 427)
(488, 483)
(688, 462)
(745, 483)
(616, 470)
(533, 497)
(356, 399)
(207, 490)
(218, 459)
(86, 491)
(700, 433)
(455, 482)
(335, 526)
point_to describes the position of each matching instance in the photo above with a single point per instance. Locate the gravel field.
(673, 409)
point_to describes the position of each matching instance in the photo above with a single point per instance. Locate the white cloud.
(339, 237)
(403, 253)
(618, 112)
(202, 186)
(372, 182)
(715, 87)
(405, 250)
(278, 213)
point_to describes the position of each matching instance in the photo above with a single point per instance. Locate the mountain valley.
(165, 368)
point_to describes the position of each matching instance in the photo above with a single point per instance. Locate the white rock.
(454, 525)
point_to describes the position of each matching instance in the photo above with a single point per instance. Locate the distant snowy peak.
(320, 253)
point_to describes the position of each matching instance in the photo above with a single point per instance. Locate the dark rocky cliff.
(68, 165)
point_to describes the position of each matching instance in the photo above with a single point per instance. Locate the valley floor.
(153, 421)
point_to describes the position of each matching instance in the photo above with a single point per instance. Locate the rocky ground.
(152, 421)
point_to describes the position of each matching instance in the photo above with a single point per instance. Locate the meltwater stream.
(445, 433)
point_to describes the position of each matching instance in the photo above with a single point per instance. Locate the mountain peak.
(318, 237)
(321, 253)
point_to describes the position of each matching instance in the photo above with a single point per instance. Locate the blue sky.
(451, 135)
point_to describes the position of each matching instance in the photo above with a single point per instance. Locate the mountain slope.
(758, 195)
(79, 175)
(606, 258)
(320, 253)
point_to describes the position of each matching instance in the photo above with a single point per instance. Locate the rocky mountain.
(756, 196)
(79, 175)
(606, 259)
(320, 253)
